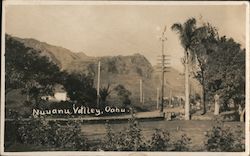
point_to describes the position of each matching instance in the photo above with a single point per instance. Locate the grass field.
(96, 132)
(196, 130)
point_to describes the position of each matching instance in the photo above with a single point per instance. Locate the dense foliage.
(226, 73)
(33, 73)
(131, 139)
(222, 139)
(123, 94)
(220, 66)
(27, 70)
(49, 134)
(55, 135)
(218, 63)
(80, 88)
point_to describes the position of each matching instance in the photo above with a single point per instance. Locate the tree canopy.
(36, 75)
(218, 62)
(26, 69)
(80, 88)
(226, 72)
(123, 94)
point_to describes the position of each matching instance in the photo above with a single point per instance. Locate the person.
(216, 104)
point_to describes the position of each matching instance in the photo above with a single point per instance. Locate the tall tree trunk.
(241, 113)
(27, 97)
(203, 99)
(27, 92)
(187, 115)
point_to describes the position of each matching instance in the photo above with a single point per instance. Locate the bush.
(52, 134)
(239, 143)
(182, 143)
(110, 139)
(160, 141)
(131, 139)
(221, 138)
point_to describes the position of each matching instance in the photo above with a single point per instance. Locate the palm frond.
(177, 27)
(190, 22)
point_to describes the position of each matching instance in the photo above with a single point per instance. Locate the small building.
(60, 94)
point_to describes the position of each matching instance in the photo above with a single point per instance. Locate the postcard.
(125, 78)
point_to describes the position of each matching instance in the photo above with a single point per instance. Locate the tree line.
(217, 62)
(28, 70)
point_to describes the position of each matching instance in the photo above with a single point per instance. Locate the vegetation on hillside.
(25, 69)
(36, 76)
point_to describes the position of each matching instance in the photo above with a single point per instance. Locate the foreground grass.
(95, 133)
(196, 130)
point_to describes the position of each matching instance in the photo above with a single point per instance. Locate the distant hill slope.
(125, 70)
(61, 56)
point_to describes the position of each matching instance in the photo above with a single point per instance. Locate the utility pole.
(162, 78)
(187, 104)
(141, 94)
(157, 98)
(164, 62)
(143, 98)
(170, 96)
(98, 84)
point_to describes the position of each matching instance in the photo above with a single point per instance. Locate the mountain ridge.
(125, 70)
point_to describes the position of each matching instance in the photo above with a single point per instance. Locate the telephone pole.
(157, 98)
(141, 92)
(164, 65)
(98, 83)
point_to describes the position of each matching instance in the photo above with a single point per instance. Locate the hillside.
(61, 56)
(125, 70)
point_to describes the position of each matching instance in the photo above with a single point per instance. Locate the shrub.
(52, 134)
(160, 141)
(182, 143)
(110, 140)
(134, 138)
(221, 138)
(239, 136)
(130, 139)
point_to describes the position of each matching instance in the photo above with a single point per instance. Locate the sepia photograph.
(104, 78)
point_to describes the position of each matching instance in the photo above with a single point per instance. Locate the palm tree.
(186, 32)
(104, 93)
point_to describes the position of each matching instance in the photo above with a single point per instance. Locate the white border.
(68, 2)
(2, 80)
(247, 120)
(170, 3)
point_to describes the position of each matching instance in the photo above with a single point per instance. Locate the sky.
(101, 30)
